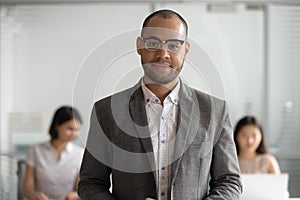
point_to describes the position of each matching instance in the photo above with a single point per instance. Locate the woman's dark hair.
(166, 14)
(250, 120)
(62, 115)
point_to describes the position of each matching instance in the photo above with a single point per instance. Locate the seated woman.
(251, 148)
(52, 169)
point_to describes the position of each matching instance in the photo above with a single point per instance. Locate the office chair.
(21, 174)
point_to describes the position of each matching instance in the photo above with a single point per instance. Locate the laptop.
(265, 186)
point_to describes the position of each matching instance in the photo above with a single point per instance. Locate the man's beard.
(160, 78)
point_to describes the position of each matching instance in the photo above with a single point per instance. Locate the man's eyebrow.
(152, 37)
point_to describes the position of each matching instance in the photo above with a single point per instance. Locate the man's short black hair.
(166, 14)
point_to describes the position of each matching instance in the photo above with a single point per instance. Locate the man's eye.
(174, 46)
(153, 44)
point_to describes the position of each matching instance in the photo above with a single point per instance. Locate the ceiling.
(284, 2)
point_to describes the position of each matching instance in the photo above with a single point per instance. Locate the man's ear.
(187, 49)
(139, 45)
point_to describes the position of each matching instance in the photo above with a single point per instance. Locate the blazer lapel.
(187, 125)
(139, 117)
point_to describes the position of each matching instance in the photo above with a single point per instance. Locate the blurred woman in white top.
(52, 169)
(251, 148)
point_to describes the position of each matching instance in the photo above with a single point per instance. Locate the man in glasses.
(160, 139)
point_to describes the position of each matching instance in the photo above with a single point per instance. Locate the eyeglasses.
(172, 45)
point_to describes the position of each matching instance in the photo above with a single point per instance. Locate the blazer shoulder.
(120, 96)
(206, 98)
(119, 100)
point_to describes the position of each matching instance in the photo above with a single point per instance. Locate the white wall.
(53, 45)
(66, 54)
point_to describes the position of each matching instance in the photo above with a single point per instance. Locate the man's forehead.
(163, 33)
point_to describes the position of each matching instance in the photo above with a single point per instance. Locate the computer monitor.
(265, 187)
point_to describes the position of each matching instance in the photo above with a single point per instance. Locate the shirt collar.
(151, 97)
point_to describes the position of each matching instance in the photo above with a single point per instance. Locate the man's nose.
(163, 52)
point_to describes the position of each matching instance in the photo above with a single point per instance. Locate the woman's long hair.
(62, 115)
(250, 120)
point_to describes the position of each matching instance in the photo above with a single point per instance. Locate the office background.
(252, 47)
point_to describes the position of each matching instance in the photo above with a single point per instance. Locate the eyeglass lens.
(153, 44)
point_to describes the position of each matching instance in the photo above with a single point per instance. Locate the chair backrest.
(21, 174)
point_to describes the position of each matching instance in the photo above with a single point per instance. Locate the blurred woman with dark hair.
(52, 169)
(251, 148)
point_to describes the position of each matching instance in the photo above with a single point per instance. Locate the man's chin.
(161, 81)
(162, 77)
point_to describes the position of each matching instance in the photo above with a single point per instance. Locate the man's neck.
(161, 90)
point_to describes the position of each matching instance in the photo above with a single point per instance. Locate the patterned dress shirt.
(162, 121)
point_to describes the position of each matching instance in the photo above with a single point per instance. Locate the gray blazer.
(205, 162)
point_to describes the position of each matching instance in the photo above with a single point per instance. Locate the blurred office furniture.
(21, 168)
(6, 178)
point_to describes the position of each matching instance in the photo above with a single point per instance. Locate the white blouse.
(260, 165)
(54, 177)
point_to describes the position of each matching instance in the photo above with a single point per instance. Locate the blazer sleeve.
(225, 180)
(95, 172)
